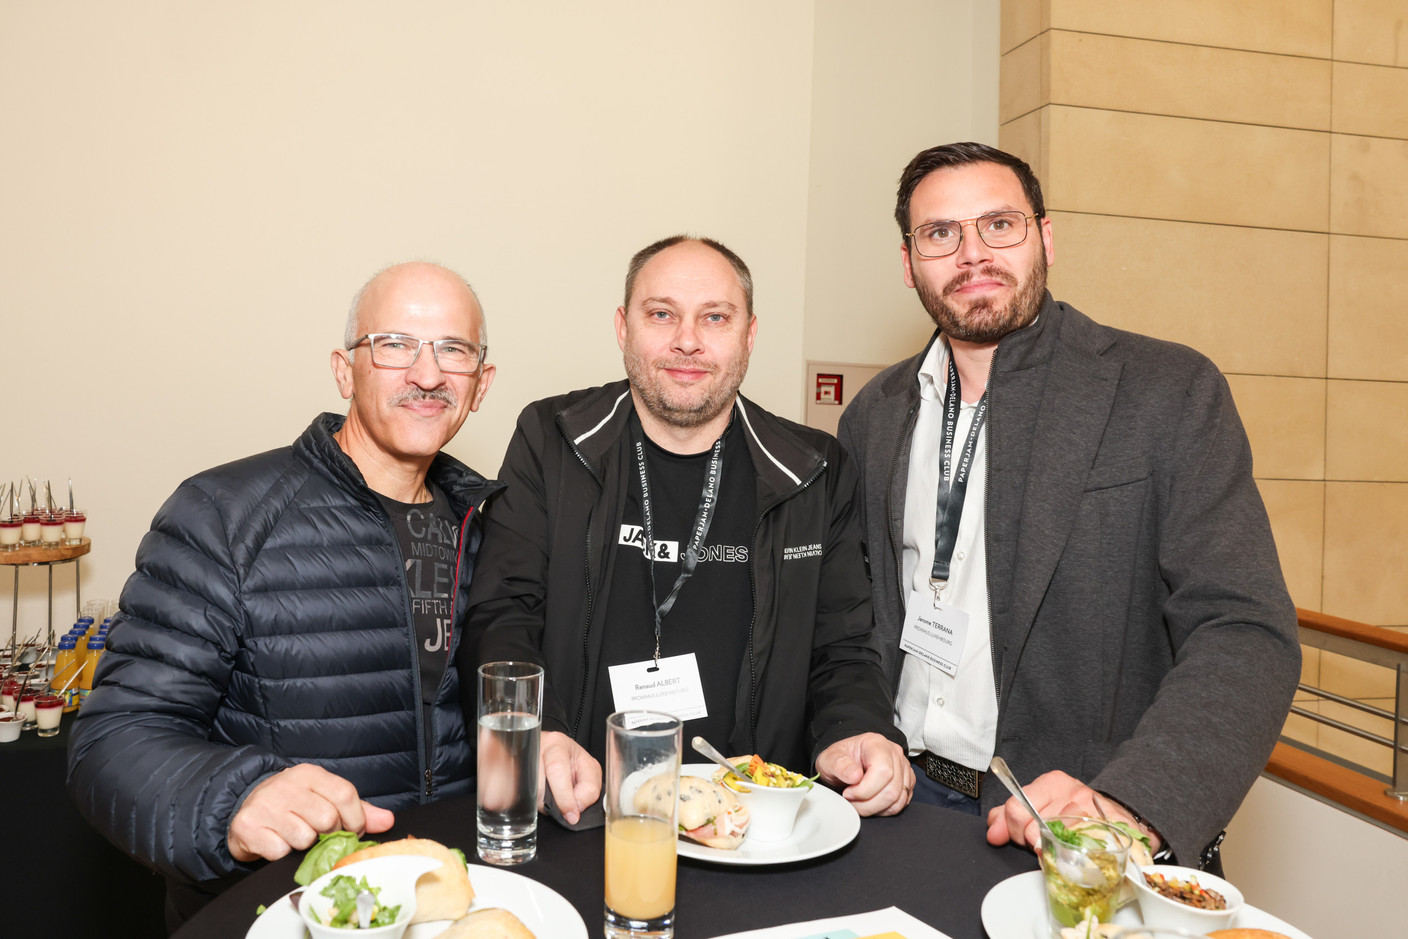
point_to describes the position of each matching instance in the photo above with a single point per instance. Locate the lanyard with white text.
(707, 500)
(949, 510)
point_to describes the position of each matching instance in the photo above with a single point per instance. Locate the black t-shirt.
(428, 534)
(712, 614)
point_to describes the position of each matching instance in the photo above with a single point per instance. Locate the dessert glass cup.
(73, 526)
(25, 709)
(48, 710)
(51, 529)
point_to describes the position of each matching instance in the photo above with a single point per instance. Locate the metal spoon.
(703, 746)
(366, 902)
(1000, 770)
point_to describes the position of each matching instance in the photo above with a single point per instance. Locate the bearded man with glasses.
(283, 664)
(1071, 566)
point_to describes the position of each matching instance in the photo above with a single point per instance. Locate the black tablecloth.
(932, 863)
(71, 881)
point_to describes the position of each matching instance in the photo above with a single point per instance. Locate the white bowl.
(772, 811)
(10, 727)
(1159, 910)
(396, 875)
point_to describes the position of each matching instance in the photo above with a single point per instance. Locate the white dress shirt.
(953, 716)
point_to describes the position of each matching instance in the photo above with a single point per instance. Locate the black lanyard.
(949, 509)
(708, 499)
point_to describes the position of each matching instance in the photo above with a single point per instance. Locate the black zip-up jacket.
(811, 674)
(268, 623)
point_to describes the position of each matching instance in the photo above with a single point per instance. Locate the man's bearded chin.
(984, 321)
(684, 412)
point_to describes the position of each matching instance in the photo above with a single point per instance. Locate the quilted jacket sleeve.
(146, 764)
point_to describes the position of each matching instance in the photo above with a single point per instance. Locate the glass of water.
(510, 725)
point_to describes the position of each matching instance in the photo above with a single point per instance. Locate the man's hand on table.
(570, 773)
(1052, 794)
(874, 770)
(288, 811)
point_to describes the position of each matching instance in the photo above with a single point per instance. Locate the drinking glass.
(24, 706)
(642, 786)
(1085, 878)
(74, 522)
(510, 727)
(30, 529)
(51, 528)
(11, 533)
(48, 709)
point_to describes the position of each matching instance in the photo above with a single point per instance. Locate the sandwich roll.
(443, 893)
(708, 813)
(487, 924)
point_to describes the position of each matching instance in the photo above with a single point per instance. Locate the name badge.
(675, 687)
(934, 631)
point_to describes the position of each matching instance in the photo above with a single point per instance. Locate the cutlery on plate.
(704, 747)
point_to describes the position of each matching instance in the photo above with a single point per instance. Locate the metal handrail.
(1368, 644)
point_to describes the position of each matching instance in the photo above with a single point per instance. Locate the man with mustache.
(664, 543)
(1072, 567)
(283, 662)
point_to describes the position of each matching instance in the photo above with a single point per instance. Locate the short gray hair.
(354, 312)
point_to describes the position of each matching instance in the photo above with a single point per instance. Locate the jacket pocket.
(1117, 473)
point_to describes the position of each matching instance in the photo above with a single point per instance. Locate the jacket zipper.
(422, 755)
(752, 621)
(586, 627)
(449, 636)
(587, 622)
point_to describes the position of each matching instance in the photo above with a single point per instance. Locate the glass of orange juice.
(642, 786)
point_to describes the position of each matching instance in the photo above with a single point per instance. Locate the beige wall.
(939, 84)
(1233, 177)
(190, 193)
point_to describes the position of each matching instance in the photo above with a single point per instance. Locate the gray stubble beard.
(658, 404)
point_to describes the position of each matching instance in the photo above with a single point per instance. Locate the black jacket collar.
(595, 423)
(465, 488)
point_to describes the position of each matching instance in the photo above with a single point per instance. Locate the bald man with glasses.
(283, 664)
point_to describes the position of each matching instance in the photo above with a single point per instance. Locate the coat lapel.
(1075, 403)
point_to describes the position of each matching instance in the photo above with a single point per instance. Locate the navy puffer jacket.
(268, 623)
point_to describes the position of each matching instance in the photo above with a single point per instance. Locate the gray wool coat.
(1143, 639)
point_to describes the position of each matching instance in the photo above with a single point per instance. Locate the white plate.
(825, 823)
(1016, 909)
(889, 920)
(543, 910)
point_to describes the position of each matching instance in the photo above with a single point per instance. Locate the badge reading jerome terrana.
(934, 631)
(675, 687)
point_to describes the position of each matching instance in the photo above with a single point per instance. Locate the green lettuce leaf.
(331, 848)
